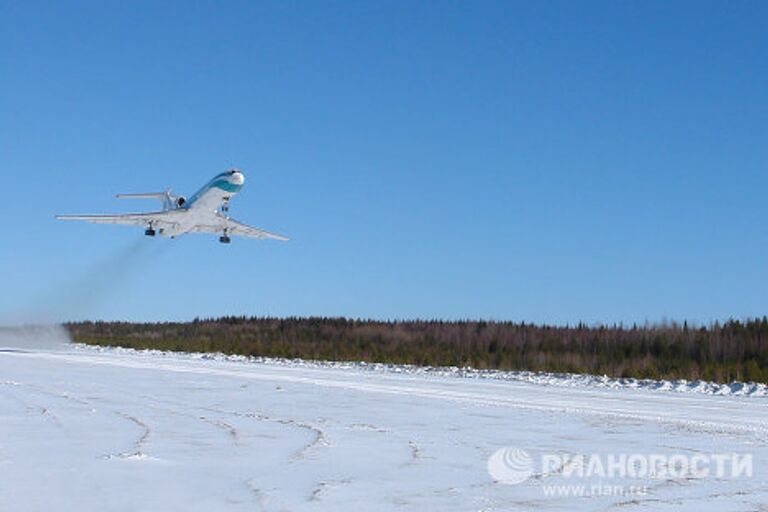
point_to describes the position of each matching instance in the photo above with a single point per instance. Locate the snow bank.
(747, 389)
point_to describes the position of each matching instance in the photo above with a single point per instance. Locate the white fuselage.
(203, 207)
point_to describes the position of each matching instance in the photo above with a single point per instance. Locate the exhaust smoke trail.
(78, 296)
(75, 297)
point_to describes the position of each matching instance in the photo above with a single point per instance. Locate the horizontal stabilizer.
(147, 195)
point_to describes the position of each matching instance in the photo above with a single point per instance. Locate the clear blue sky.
(538, 161)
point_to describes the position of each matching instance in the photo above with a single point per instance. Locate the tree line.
(721, 352)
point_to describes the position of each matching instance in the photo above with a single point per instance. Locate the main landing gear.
(225, 238)
(150, 231)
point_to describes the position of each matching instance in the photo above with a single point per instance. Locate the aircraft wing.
(157, 219)
(234, 227)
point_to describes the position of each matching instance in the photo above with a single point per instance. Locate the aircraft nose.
(236, 177)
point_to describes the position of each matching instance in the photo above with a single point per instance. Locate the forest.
(721, 352)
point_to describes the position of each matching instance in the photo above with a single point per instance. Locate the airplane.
(205, 212)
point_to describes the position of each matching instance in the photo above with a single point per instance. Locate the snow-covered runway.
(120, 430)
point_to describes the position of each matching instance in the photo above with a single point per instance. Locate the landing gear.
(150, 231)
(225, 237)
(225, 205)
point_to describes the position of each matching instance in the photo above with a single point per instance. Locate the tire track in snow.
(226, 427)
(44, 411)
(320, 439)
(416, 454)
(67, 396)
(172, 407)
(319, 492)
(140, 442)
